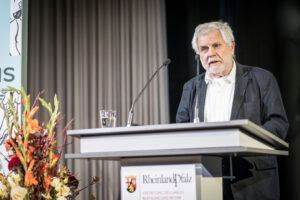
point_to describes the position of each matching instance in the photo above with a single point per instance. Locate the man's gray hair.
(224, 28)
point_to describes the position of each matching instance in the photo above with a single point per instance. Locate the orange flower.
(20, 131)
(29, 154)
(47, 181)
(31, 149)
(19, 155)
(29, 157)
(29, 179)
(19, 139)
(24, 101)
(46, 167)
(25, 144)
(9, 143)
(53, 142)
(54, 159)
(33, 110)
(33, 126)
(31, 165)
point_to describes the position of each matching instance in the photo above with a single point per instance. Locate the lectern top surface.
(245, 125)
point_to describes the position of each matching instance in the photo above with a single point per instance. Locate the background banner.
(10, 63)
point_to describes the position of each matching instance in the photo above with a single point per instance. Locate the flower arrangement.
(34, 156)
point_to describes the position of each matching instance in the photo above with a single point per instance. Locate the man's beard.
(215, 70)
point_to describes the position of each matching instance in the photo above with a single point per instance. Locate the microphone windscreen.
(167, 62)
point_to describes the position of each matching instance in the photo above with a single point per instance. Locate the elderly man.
(229, 91)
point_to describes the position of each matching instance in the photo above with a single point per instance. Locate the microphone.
(196, 112)
(130, 114)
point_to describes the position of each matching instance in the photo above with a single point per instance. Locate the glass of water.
(107, 118)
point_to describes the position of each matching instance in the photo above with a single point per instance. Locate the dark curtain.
(267, 35)
(182, 18)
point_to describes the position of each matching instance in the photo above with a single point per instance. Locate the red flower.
(73, 181)
(14, 162)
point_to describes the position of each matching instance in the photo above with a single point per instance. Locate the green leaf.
(46, 105)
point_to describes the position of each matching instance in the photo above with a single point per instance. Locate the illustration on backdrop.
(15, 28)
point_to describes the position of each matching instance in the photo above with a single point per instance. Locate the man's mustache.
(210, 60)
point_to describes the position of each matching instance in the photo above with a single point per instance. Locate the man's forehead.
(210, 37)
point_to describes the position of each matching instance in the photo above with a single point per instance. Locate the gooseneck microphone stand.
(130, 114)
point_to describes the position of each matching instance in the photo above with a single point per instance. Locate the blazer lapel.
(241, 83)
(202, 95)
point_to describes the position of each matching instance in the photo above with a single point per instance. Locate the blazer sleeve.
(274, 118)
(184, 105)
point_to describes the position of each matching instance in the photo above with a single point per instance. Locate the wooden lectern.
(200, 143)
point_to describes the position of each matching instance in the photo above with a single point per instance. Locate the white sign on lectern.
(177, 182)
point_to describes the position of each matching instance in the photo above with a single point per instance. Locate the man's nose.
(211, 51)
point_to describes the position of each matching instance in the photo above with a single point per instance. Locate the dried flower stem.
(94, 180)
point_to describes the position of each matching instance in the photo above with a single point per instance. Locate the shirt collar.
(230, 78)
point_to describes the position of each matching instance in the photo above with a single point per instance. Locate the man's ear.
(232, 47)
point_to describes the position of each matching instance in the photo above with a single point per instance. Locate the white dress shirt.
(219, 97)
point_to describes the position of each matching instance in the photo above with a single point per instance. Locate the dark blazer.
(257, 98)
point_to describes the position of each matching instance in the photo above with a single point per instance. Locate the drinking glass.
(107, 118)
